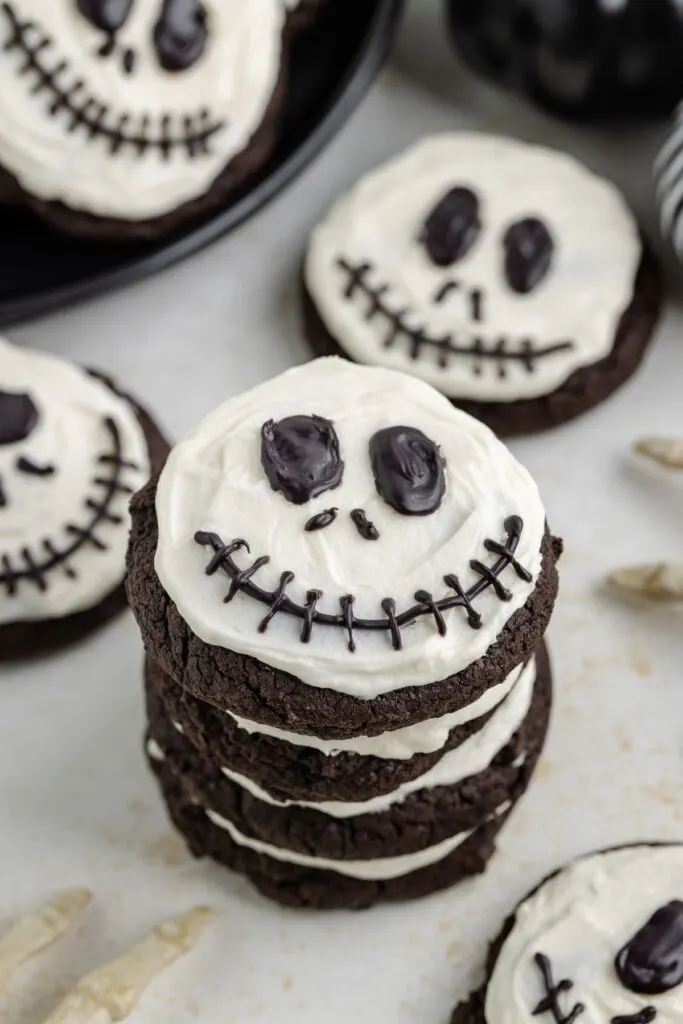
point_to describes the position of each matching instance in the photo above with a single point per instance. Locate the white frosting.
(581, 919)
(233, 81)
(214, 481)
(70, 435)
(401, 744)
(469, 758)
(669, 185)
(369, 870)
(590, 283)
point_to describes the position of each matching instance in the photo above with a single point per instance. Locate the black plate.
(332, 67)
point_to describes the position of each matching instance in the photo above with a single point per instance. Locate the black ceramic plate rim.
(351, 89)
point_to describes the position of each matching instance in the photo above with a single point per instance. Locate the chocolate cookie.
(294, 647)
(303, 14)
(468, 787)
(73, 448)
(600, 939)
(165, 115)
(301, 885)
(506, 275)
(293, 769)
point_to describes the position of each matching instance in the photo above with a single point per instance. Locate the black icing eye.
(18, 417)
(180, 34)
(408, 470)
(300, 457)
(106, 15)
(652, 962)
(528, 254)
(452, 228)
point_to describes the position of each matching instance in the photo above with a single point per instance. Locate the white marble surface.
(76, 803)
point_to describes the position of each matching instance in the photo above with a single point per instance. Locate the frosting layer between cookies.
(544, 266)
(420, 602)
(71, 454)
(470, 758)
(580, 919)
(399, 744)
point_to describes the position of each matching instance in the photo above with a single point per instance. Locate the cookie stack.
(342, 584)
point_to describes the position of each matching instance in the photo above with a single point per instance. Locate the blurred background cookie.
(72, 451)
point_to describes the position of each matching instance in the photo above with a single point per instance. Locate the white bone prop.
(38, 930)
(110, 993)
(665, 450)
(658, 581)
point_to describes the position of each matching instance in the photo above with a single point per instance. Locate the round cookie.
(594, 60)
(293, 766)
(403, 850)
(164, 106)
(599, 940)
(506, 275)
(431, 582)
(72, 451)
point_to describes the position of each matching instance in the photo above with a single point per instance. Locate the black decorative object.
(528, 254)
(452, 228)
(18, 417)
(300, 456)
(589, 60)
(242, 580)
(408, 469)
(35, 566)
(652, 961)
(401, 326)
(550, 1003)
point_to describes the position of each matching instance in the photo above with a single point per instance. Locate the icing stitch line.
(278, 601)
(446, 346)
(35, 571)
(193, 133)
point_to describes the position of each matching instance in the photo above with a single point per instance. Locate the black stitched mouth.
(70, 98)
(33, 566)
(446, 347)
(242, 580)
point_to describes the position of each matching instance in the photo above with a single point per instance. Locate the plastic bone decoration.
(109, 993)
(658, 581)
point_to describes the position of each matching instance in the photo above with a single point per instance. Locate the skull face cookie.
(342, 583)
(600, 940)
(163, 106)
(506, 275)
(72, 451)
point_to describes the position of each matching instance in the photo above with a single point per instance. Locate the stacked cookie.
(343, 583)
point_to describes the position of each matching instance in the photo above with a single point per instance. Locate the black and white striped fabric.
(669, 185)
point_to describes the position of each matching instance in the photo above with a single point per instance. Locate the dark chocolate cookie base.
(583, 390)
(423, 819)
(295, 886)
(232, 178)
(257, 692)
(288, 771)
(38, 637)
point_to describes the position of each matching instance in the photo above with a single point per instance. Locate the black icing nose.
(18, 417)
